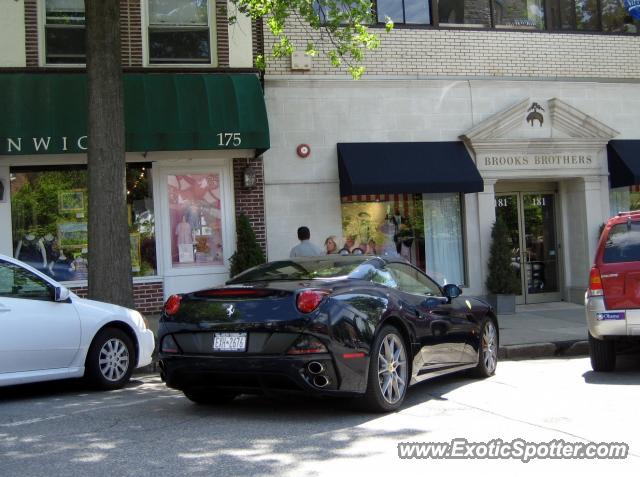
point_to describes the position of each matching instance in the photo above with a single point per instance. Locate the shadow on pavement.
(627, 372)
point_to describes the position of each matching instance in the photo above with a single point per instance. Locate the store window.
(49, 220)
(524, 14)
(386, 225)
(179, 32)
(414, 12)
(64, 31)
(195, 218)
(444, 239)
(472, 13)
(425, 229)
(622, 199)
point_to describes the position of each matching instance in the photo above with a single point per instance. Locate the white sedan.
(47, 332)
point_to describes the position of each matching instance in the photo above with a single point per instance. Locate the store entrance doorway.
(532, 228)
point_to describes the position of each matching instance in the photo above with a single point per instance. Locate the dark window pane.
(179, 46)
(178, 12)
(65, 45)
(519, 13)
(417, 12)
(469, 12)
(391, 9)
(586, 15)
(616, 18)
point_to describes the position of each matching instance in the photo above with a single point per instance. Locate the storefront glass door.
(531, 221)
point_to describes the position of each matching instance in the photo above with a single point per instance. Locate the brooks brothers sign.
(535, 161)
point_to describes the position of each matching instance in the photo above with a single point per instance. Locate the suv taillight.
(595, 283)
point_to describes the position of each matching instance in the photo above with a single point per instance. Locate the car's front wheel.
(602, 354)
(388, 372)
(111, 359)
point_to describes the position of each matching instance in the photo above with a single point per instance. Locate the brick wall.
(222, 33)
(31, 31)
(130, 33)
(490, 53)
(251, 201)
(147, 297)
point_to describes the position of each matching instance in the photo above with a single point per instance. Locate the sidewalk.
(543, 330)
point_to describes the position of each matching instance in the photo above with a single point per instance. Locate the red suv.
(613, 297)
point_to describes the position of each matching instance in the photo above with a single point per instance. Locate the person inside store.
(330, 245)
(305, 248)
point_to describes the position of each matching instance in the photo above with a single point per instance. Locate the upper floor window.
(179, 32)
(464, 12)
(64, 31)
(414, 12)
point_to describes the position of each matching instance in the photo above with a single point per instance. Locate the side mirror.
(451, 291)
(61, 293)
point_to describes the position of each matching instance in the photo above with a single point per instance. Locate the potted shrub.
(248, 252)
(502, 281)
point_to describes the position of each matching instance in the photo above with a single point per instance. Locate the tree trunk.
(109, 249)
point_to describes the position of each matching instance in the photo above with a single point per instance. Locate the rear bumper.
(605, 323)
(253, 374)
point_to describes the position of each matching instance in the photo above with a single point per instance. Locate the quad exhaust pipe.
(314, 367)
(320, 381)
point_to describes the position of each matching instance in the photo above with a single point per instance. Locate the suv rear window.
(623, 243)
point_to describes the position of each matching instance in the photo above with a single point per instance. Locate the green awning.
(46, 113)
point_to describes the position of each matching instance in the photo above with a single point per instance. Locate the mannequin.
(31, 250)
(51, 248)
(184, 240)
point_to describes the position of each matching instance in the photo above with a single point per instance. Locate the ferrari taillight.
(308, 300)
(172, 305)
(307, 344)
(595, 283)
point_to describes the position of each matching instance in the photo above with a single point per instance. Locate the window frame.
(213, 40)
(436, 24)
(42, 39)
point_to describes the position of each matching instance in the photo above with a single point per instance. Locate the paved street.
(146, 429)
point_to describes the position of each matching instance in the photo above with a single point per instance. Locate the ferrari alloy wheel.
(488, 352)
(388, 372)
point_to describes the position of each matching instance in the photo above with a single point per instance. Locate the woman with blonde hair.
(330, 245)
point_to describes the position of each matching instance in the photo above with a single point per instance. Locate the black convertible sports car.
(340, 326)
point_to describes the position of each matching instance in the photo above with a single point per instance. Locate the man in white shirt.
(305, 248)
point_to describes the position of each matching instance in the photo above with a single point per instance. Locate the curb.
(544, 350)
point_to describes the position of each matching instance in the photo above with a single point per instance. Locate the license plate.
(616, 315)
(229, 342)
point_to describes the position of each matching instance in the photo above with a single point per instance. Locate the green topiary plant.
(248, 252)
(502, 279)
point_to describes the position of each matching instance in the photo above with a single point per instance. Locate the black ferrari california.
(356, 326)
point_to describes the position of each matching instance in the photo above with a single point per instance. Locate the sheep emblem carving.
(535, 115)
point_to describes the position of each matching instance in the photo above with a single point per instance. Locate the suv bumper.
(605, 323)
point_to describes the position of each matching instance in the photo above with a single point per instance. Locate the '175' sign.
(229, 139)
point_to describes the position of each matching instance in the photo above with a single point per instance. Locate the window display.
(386, 225)
(49, 208)
(195, 212)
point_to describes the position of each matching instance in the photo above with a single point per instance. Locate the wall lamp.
(249, 177)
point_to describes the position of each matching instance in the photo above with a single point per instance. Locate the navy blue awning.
(624, 162)
(413, 167)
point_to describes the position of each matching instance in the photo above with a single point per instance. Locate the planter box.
(503, 304)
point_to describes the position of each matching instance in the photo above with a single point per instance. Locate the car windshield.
(305, 269)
